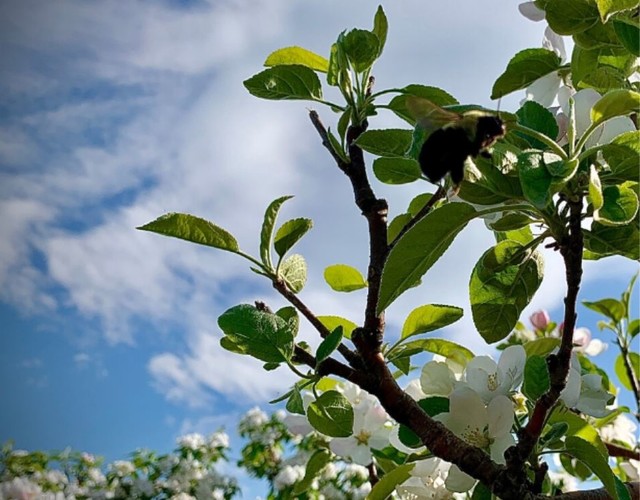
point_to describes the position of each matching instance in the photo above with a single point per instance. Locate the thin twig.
(618, 451)
(437, 196)
(352, 357)
(631, 374)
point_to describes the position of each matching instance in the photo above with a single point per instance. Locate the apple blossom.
(489, 379)
(621, 430)
(583, 342)
(487, 427)
(427, 481)
(437, 379)
(371, 429)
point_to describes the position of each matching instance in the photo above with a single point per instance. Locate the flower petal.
(501, 414)
(531, 12)
(458, 481)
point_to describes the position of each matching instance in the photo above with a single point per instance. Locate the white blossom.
(287, 476)
(489, 379)
(193, 441)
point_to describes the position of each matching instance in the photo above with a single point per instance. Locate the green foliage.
(523, 69)
(502, 284)
(297, 56)
(536, 377)
(343, 278)
(429, 317)
(388, 483)
(285, 82)
(331, 414)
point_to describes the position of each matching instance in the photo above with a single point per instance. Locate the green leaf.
(430, 317)
(536, 377)
(537, 117)
(419, 248)
(511, 222)
(396, 170)
(634, 327)
(333, 322)
(481, 492)
(316, 463)
(266, 234)
(331, 414)
(336, 146)
(542, 346)
(285, 82)
(611, 308)
(523, 69)
(294, 403)
(434, 94)
(386, 142)
(328, 345)
(450, 350)
(396, 225)
(380, 28)
(609, 7)
(594, 460)
(595, 189)
(290, 315)
(568, 17)
(502, 284)
(194, 229)
(628, 32)
(618, 102)
(387, 484)
(343, 278)
(578, 427)
(598, 36)
(534, 178)
(621, 370)
(622, 154)
(601, 68)
(297, 55)
(433, 405)
(289, 234)
(263, 335)
(294, 271)
(229, 345)
(418, 203)
(613, 240)
(620, 206)
(362, 48)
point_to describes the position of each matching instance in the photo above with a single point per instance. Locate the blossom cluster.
(186, 473)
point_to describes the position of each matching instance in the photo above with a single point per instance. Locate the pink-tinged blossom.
(583, 342)
(540, 319)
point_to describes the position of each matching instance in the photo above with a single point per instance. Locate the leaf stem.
(553, 145)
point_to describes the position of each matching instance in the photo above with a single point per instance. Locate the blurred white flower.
(489, 379)
(427, 481)
(20, 488)
(219, 440)
(583, 342)
(414, 390)
(193, 441)
(122, 468)
(622, 429)
(287, 476)
(631, 469)
(593, 397)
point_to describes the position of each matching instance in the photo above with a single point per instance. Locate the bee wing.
(430, 116)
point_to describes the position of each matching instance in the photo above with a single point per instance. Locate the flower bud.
(540, 319)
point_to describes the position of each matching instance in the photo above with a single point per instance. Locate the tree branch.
(329, 366)
(618, 451)
(352, 357)
(631, 373)
(571, 247)
(599, 494)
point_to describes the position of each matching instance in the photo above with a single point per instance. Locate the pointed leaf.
(290, 315)
(542, 346)
(331, 414)
(285, 82)
(537, 117)
(502, 284)
(568, 17)
(380, 28)
(294, 403)
(194, 229)
(315, 464)
(595, 189)
(396, 170)
(609, 7)
(362, 48)
(450, 350)
(611, 308)
(328, 345)
(260, 334)
(294, 271)
(297, 55)
(434, 94)
(621, 369)
(266, 234)
(332, 322)
(628, 32)
(618, 102)
(419, 248)
(428, 318)
(613, 240)
(594, 460)
(289, 234)
(536, 377)
(387, 484)
(343, 278)
(386, 142)
(523, 69)
(621, 154)
(534, 178)
(620, 206)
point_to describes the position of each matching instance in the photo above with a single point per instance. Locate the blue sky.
(113, 113)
